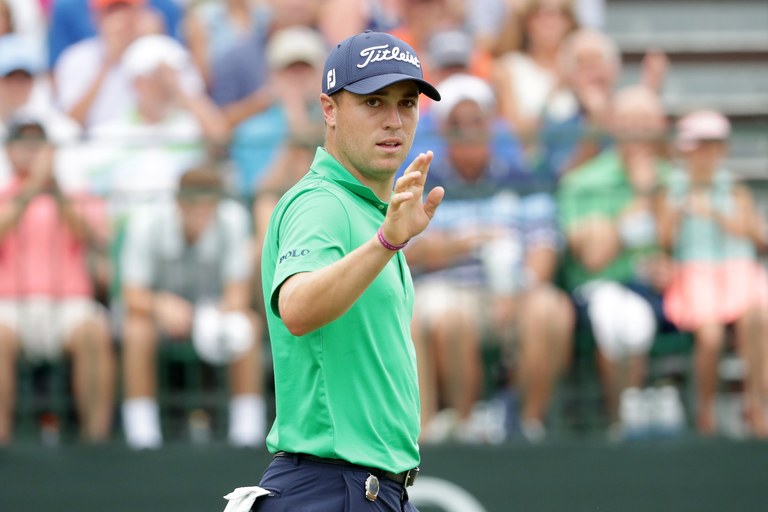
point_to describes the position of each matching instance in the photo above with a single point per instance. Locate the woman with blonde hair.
(526, 73)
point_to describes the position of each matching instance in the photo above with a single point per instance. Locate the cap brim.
(378, 82)
(30, 70)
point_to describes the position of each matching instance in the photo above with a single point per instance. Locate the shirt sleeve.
(75, 71)
(313, 232)
(236, 74)
(540, 221)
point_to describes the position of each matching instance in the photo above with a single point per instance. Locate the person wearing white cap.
(138, 156)
(492, 249)
(710, 224)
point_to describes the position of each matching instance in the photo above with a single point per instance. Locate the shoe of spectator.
(441, 427)
(634, 414)
(533, 431)
(495, 414)
(485, 424)
(667, 415)
(141, 424)
(470, 431)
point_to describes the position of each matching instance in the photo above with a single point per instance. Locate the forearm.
(236, 296)
(214, 124)
(595, 247)
(736, 225)
(541, 262)
(81, 108)
(139, 302)
(308, 301)
(78, 224)
(254, 103)
(669, 222)
(11, 212)
(439, 250)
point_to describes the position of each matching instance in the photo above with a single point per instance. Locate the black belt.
(406, 478)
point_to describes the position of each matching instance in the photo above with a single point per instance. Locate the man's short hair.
(201, 181)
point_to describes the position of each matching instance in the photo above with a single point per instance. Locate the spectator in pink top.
(46, 291)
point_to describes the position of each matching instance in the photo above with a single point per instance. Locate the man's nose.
(393, 120)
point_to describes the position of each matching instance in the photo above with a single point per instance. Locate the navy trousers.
(299, 485)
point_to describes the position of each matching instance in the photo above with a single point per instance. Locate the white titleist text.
(380, 53)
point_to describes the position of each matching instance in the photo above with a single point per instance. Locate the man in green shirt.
(339, 295)
(613, 266)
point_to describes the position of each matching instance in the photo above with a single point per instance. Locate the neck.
(151, 113)
(382, 186)
(383, 190)
(6, 112)
(544, 57)
(702, 175)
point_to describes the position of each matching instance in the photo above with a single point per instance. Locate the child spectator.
(709, 222)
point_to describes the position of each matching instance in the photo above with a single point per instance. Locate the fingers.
(434, 198)
(409, 182)
(399, 199)
(421, 163)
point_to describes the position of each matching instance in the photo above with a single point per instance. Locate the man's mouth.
(389, 144)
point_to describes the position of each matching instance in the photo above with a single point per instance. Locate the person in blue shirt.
(483, 272)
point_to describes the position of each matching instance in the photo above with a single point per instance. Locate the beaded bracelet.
(389, 245)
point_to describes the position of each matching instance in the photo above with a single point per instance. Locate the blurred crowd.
(145, 143)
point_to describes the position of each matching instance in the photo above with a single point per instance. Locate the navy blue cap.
(370, 61)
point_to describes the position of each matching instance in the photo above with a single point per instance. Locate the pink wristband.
(388, 245)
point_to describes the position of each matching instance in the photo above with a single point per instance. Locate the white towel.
(242, 498)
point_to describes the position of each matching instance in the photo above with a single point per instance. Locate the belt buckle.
(371, 488)
(410, 477)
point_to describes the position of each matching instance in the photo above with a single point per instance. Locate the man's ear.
(330, 107)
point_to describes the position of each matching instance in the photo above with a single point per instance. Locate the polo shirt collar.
(328, 167)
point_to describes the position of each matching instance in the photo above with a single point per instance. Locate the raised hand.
(407, 215)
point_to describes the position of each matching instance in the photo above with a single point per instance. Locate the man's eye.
(373, 102)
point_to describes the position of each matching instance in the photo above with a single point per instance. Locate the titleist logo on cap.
(382, 53)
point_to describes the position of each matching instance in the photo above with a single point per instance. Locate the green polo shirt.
(600, 188)
(349, 389)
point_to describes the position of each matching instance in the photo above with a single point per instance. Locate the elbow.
(295, 322)
(594, 265)
(293, 314)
